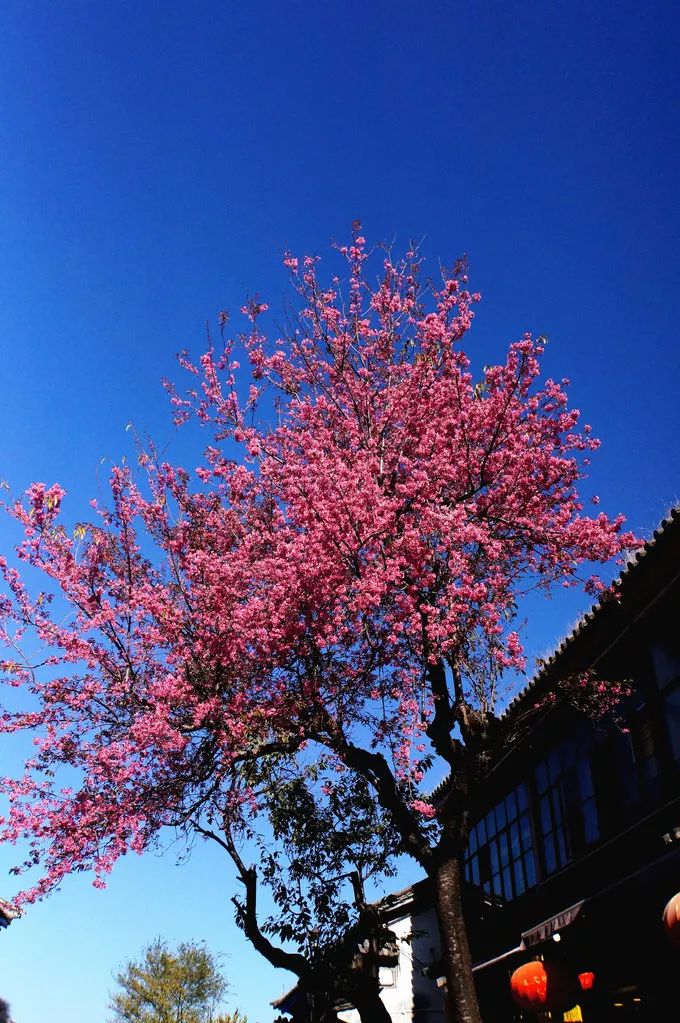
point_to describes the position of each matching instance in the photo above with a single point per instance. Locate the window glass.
(514, 841)
(585, 778)
(645, 745)
(549, 851)
(672, 710)
(666, 660)
(525, 825)
(591, 828)
(530, 869)
(554, 764)
(500, 853)
(567, 810)
(542, 777)
(546, 819)
(567, 754)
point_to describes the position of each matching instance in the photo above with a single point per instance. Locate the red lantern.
(543, 987)
(671, 920)
(586, 980)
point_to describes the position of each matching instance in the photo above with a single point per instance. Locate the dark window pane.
(666, 658)
(481, 832)
(549, 847)
(546, 819)
(591, 830)
(519, 877)
(568, 753)
(530, 867)
(525, 825)
(511, 806)
(500, 815)
(490, 824)
(645, 744)
(649, 770)
(493, 850)
(507, 883)
(514, 841)
(554, 765)
(505, 855)
(497, 885)
(522, 797)
(468, 872)
(484, 858)
(475, 870)
(585, 779)
(558, 814)
(672, 710)
(562, 847)
(472, 843)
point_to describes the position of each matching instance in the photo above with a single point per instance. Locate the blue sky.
(158, 158)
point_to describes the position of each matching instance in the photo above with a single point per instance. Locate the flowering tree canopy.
(344, 568)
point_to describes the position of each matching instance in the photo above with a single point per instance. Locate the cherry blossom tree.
(342, 573)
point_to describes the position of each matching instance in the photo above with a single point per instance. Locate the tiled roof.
(550, 666)
(620, 585)
(8, 912)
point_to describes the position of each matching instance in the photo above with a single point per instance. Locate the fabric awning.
(546, 929)
(541, 932)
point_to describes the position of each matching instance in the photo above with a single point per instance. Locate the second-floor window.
(500, 853)
(567, 810)
(672, 713)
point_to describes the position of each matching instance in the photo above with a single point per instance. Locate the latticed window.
(567, 810)
(500, 854)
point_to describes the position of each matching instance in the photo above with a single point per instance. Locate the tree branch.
(247, 912)
(375, 769)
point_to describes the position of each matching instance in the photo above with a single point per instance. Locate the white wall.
(410, 997)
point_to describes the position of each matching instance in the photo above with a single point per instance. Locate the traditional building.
(8, 912)
(575, 852)
(580, 832)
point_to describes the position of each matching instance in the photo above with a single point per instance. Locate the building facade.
(8, 912)
(575, 850)
(580, 832)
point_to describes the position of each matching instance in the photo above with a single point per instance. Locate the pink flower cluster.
(387, 522)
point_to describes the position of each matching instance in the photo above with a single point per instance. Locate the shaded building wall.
(408, 994)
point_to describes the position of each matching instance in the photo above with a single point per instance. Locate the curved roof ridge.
(595, 609)
(584, 621)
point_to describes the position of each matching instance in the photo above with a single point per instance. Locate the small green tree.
(185, 986)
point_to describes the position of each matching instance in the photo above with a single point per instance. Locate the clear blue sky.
(158, 157)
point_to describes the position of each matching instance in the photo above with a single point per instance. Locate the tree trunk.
(462, 997)
(370, 1006)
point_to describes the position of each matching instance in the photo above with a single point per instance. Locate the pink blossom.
(383, 527)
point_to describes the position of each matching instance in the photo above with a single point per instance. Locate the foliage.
(170, 987)
(339, 588)
(320, 848)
